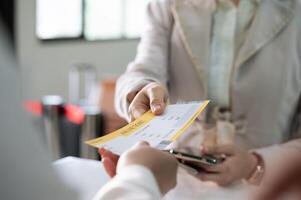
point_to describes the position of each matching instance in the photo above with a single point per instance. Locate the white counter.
(88, 176)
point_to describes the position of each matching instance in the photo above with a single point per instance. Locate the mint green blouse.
(230, 26)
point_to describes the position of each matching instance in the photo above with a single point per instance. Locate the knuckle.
(155, 101)
(149, 92)
(133, 108)
(137, 99)
(227, 169)
(136, 103)
(154, 84)
(158, 87)
(200, 177)
(150, 85)
(220, 182)
(223, 181)
(154, 87)
(152, 90)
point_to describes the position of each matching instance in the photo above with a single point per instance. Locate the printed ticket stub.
(158, 131)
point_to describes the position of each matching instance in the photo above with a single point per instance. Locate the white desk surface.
(88, 176)
(82, 175)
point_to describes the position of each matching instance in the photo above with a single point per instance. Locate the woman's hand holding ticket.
(152, 96)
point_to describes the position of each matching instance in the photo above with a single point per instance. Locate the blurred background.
(71, 52)
(52, 35)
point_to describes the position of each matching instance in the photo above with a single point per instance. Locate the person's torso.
(266, 82)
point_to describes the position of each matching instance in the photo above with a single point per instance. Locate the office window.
(90, 19)
(134, 17)
(59, 19)
(103, 19)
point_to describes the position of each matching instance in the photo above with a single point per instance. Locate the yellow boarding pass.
(158, 131)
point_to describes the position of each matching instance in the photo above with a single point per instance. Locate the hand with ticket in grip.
(161, 164)
(239, 163)
(152, 96)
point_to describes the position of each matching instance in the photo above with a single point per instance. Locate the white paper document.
(159, 131)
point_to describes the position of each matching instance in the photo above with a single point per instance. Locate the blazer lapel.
(194, 21)
(271, 18)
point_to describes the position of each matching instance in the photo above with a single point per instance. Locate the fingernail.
(137, 114)
(140, 144)
(156, 107)
(101, 151)
(144, 143)
(203, 149)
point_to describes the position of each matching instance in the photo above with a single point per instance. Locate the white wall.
(46, 64)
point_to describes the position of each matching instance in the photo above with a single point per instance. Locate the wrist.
(253, 164)
(256, 174)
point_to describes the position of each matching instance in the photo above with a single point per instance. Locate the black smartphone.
(193, 157)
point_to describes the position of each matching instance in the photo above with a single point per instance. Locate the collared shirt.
(230, 26)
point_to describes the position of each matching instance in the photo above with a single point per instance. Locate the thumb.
(228, 150)
(141, 144)
(157, 97)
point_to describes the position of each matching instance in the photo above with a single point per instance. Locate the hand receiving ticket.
(159, 131)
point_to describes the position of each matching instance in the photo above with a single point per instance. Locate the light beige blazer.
(266, 79)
